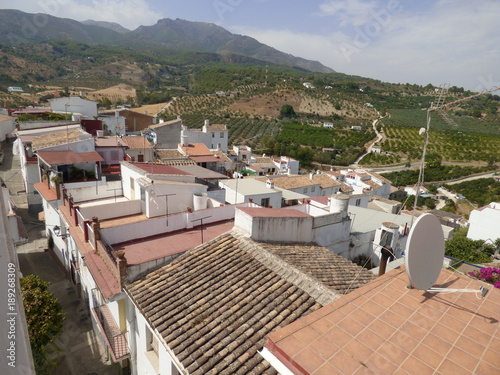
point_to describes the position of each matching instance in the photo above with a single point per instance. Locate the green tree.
(430, 203)
(287, 111)
(463, 248)
(44, 316)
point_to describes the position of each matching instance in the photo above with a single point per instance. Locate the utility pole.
(201, 225)
(166, 203)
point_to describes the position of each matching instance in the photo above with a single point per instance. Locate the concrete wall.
(168, 136)
(90, 190)
(111, 155)
(112, 210)
(144, 363)
(74, 104)
(6, 129)
(183, 198)
(272, 229)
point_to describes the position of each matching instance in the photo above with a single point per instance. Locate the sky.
(452, 42)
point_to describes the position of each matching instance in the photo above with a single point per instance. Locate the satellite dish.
(425, 252)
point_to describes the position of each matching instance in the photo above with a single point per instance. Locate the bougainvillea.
(490, 275)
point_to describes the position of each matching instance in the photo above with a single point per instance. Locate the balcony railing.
(115, 340)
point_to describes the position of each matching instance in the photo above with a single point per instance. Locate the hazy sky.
(419, 41)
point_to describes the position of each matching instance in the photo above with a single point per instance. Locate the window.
(222, 134)
(358, 202)
(140, 158)
(213, 135)
(152, 349)
(313, 189)
(305, 190)
(264, 202)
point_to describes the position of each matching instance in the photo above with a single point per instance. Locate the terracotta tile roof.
(371, 184)
(385, 328)
(216, 127)
(290, 182)
(329, 268)
(179, 162)
(222, 156)
(169, 154)
(58, 138)
(325, 181)
(68, 157)
(346, 188)
(215, 305)
(195, 149)
(264, 160)
(137, 142)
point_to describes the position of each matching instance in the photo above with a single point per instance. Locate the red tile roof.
(137, 142)
(47, 193)
(385, 328)
(195, 149)
(153, 248)
(68, 157)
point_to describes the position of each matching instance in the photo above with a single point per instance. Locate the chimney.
(387, 255)
(269, 184)
(311, 176)
(207, 122)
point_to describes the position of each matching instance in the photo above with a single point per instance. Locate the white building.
(215, 137)
(242, 190)
(74, 105)
(287, 165)
(484, 223)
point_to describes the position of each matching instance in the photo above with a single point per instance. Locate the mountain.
(108, 25)
(208, 37)
(18, 28)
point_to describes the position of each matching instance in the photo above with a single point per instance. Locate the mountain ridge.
(179, 35)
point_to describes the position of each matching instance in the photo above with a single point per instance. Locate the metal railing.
(117, 341)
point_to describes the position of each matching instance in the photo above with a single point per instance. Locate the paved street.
(78, 349)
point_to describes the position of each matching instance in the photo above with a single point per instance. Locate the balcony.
(116, 341)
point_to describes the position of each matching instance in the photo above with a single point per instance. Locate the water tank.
(339, 203)
(200, 201)
(99, 133)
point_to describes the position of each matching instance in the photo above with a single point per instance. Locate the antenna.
(425, 254)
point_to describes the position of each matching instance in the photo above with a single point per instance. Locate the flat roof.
(201, 172)
(367, 220)
(250, 186)
(272, 212)
(168, 244)
(384, 327)
(155, 168)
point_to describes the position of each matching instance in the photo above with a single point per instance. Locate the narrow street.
(78, 350)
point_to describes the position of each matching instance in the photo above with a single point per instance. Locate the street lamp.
(57, 232)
